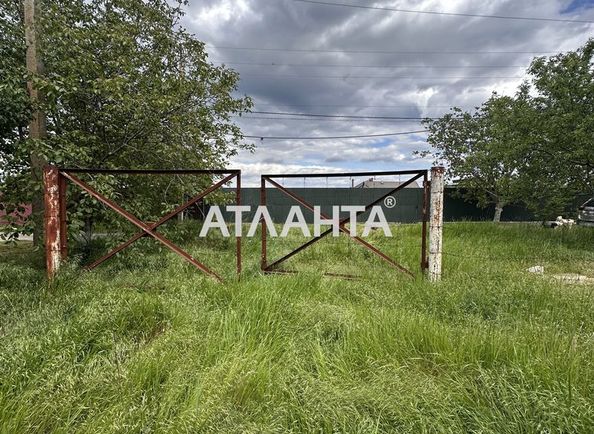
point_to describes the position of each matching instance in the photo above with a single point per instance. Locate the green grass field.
(147, 344)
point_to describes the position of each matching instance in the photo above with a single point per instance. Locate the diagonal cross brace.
(145, 228)
(343, 229)
(161, 221)
(341, 226)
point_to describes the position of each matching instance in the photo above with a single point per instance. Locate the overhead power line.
(363, 136)
(391, 77)
(451, 14)
(316, 115)
(316, 50)
(284, 118)
(313, 65)
(355, 106)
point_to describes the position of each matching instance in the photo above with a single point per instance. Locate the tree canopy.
(560, 149)
(536, 146)
(125, 86)
(482, 150)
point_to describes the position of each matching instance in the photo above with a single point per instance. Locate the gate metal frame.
(417, 174)
(55, 181)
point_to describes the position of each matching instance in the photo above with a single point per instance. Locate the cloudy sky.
(304, 58)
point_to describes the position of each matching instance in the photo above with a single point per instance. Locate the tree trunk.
(498, 210)
(37, 127)
(37, 205)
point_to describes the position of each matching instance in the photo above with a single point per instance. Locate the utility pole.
(37, 125)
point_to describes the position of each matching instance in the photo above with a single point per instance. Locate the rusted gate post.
(54, 245)
(425, 218)
(238, 237)
(436, 223)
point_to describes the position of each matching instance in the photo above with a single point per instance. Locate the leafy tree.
(560, 151)
(14, 101)
(480, 150)
(126, 86)
(15, 108)
(536, 147)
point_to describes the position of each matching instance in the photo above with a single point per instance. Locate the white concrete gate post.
(435, 223)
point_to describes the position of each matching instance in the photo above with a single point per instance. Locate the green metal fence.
(407, 209)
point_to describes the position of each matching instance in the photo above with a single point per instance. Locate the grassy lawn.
(147, 344)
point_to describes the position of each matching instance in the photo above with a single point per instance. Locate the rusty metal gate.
(55, 180)
(272, 267)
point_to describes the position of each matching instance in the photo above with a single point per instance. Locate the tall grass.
(147, 344)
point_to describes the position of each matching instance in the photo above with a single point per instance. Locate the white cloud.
(426, 41)
(219, 14)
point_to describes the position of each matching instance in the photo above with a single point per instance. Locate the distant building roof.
(373, 183)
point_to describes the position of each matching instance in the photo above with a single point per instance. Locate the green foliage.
(161, 348)
(561, 149)
(126, 86)
(14, 100)
(481, 150)
(536, 146)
